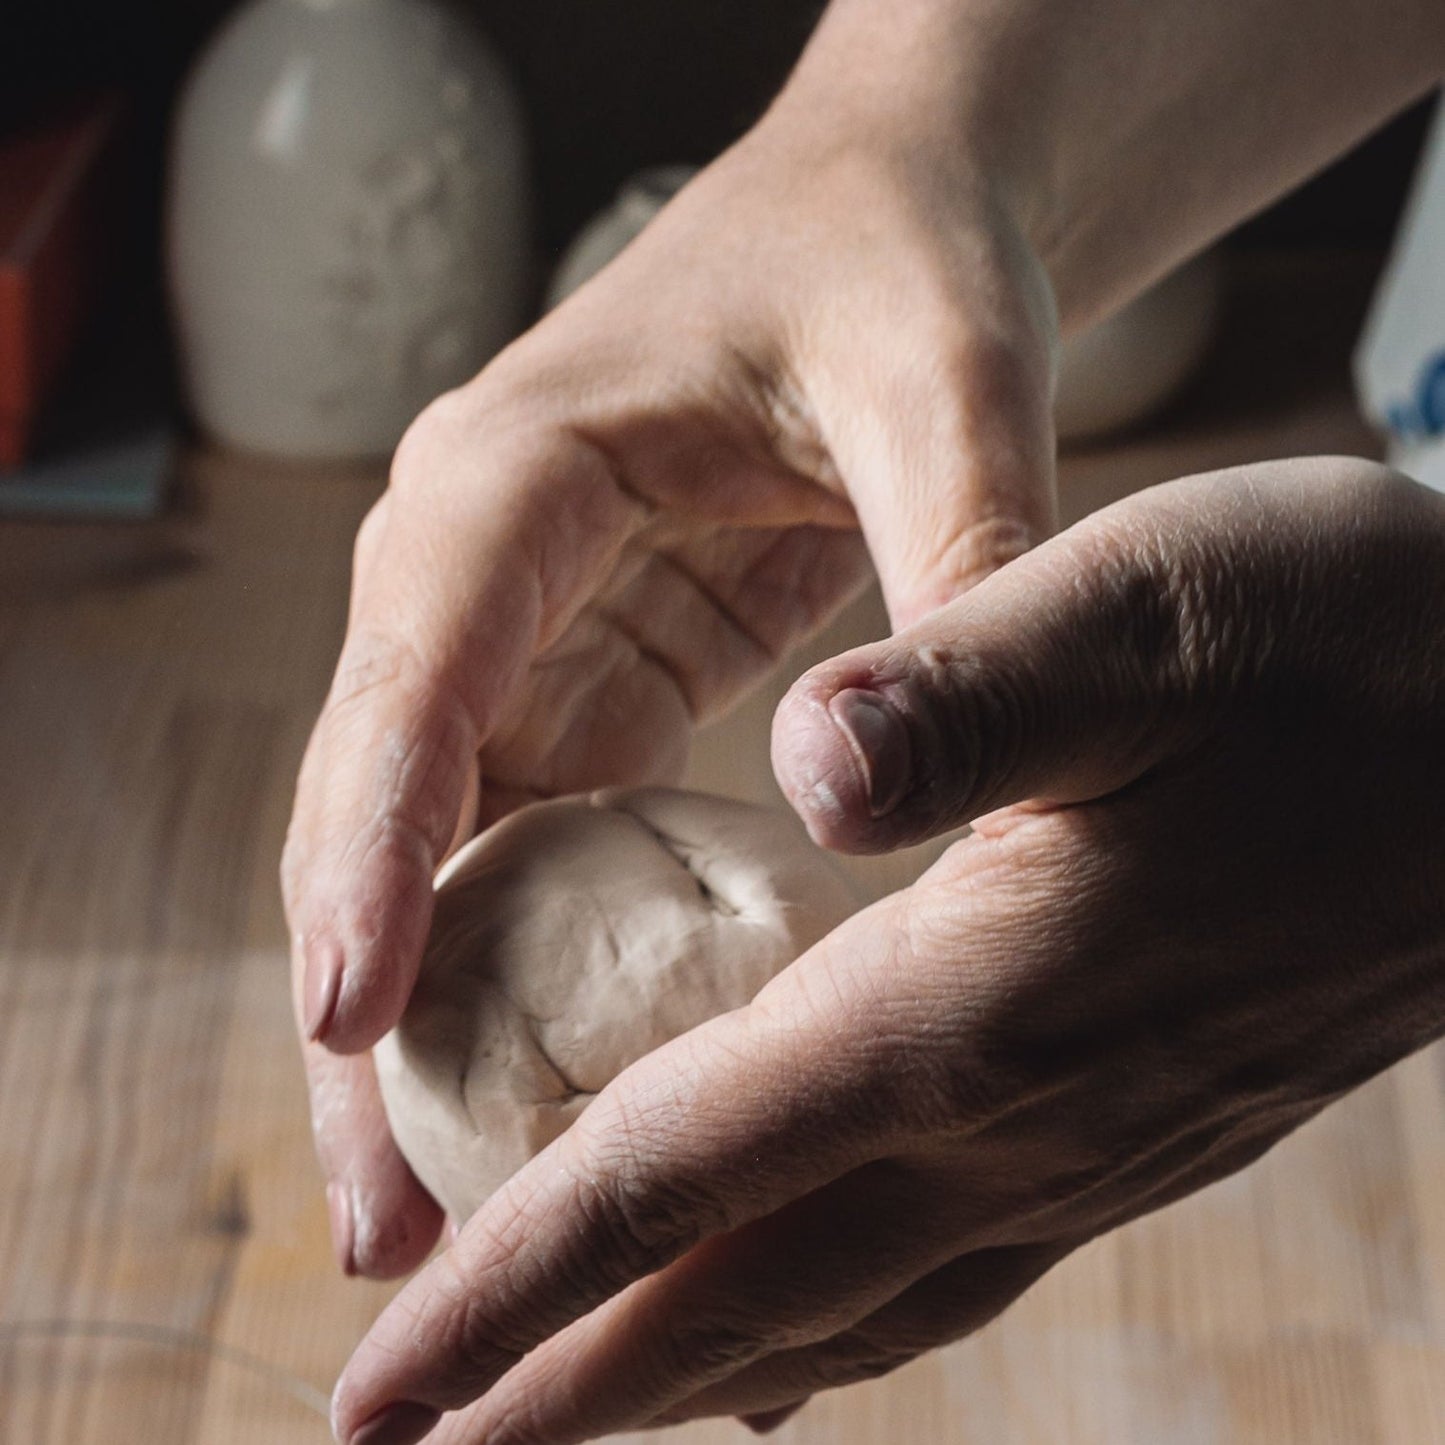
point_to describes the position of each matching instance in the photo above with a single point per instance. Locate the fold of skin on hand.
(1201, 902)
(834, 348)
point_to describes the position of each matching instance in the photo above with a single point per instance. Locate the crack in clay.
(573, 938)
(571, 1088)
(467, 1109)
(614, 943)
(714, 900)
(681, 854)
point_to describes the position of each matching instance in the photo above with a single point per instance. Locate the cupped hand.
(1203, 728)
(622, 524)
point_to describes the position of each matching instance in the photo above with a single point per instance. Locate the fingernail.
(323, 987)
(343, 1227)
(401, 1424)
(879, 743)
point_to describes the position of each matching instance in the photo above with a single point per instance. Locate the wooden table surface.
(156, 686)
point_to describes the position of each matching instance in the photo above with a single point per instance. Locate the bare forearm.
(1124, 133)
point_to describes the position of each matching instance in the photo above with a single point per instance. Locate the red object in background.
(55, 181)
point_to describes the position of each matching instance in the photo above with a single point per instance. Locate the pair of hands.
(1197, 732)
(621, 526)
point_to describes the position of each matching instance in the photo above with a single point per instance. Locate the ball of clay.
(569, 940)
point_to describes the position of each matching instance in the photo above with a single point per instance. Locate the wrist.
(909, 82)
(1119, 139)
(924, 92)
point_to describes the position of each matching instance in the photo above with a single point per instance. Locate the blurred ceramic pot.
(609, 232)
(1114, 375)
(347, 225)
(1122, 370)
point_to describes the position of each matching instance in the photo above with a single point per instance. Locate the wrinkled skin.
(622, 524)
(1200, 734)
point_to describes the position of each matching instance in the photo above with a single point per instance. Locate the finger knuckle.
(1168, 614)
(641, 1210)
(700, 1350)
(368, 536)
(963, 1069)
(481, 1336)
(371, 660)
(387, 698)
(451, 1324)
(971, 1086)
(473, 1334)
(435, 431)
(639, 1221)
(1201, 646)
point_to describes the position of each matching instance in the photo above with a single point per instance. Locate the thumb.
(1062, 677)
(942, 434)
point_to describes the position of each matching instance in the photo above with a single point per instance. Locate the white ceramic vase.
(1111, 376)
(609, 232)
(1125, 368)
(348, 222)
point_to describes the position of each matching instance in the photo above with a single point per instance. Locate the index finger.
(715, 1130)
(483, 545)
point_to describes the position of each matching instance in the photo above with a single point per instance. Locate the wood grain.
(156, 685)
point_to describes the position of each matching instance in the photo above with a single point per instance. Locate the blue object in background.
(118, 479)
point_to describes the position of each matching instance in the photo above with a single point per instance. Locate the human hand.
(622, 524)
(1204, 727)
